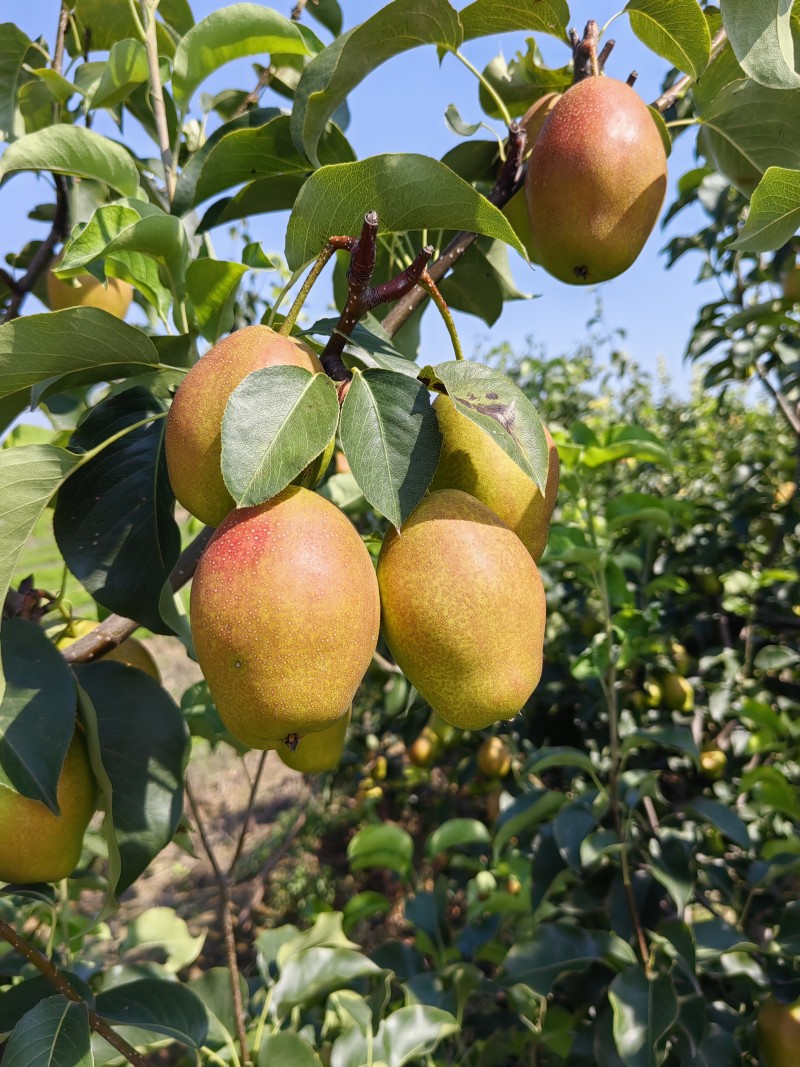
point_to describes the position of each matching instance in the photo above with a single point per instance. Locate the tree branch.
(676, 91)
(157, 96)
(62, 985)
(116, 628)
(226, 903)
(780, 399)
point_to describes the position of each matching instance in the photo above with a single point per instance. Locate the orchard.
(510, 637)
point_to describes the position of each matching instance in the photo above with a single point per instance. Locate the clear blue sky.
(400, 107)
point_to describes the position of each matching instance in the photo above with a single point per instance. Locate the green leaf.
(775, 658)
(457, 834)
(674, 29)
(53, 1034)
(672, 867)
(644, 1011)
(500, 408)
(230, 33)
(723, 818)
(760, 33)
(560, 757)
(315, 972)
(249, 154)
(121, 228)
(122, 556)
(58, 86)
(409, 192)
(407, 1035)
(557, 948)
(774, 215)
(144, 744)
(748, 128)
(288, 1050)
(485, 17)
(628, 446)
(257, 198)
(330, 76)
(29, 476)
(17, 1000)
(364, 906)
(482, 282)
(212, 285)
(162, 931)
(37, 347)
(678, 737)
(381, 846)
(213, 987)
(39, 701)
(125, 68)
(391, 439)
(267, 445)
(73, 150)
(14, 47)
(158, 1006)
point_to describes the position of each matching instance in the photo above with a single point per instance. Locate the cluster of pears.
(596, 180)
(286, 606)
(37, 845)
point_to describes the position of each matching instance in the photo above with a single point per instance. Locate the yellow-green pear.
(35, 844)
(285, 616)
(471, 461)
(677, 693)
(779, 1033)
(131, 652)
(463, 610)
(193, 439)
(317, 752)
(114, 296)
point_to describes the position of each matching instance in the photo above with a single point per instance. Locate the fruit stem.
(429, 285)
(487, 85)
(333, 243)
(66, 989)
(363, 297)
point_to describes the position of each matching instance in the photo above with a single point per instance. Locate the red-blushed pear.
(779, 1033)
(285, 616)
(463, 610)
(317, 752)
(193, 439)
(35, 844)
(471, 461)
(596, 181)
(85, 291)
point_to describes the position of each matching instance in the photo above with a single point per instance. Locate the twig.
(362, 296)
(223, 882)
(157, 96)
(66, 989)
(254, 94)
(116, 628)
(248, 812)
(299, 8)
(780, 399)
(333, 243)
(270, 864)
(676, 91)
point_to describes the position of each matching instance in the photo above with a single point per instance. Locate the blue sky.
(400, 108)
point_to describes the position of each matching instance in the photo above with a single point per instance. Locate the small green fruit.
(35, 844)
(463, 610)
(713, 762)
(676, 693)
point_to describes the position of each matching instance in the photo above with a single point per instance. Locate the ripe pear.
(317, 752)
(463, 610)
(677, 693)
(193, 439)
(494, 759)
(131, 652)
(713, 763)
(471, 461)
(596, 181)
(516, 209)
(285, 616)
(425, 749)
(35, 844)
(779, 1033)
(115, 296)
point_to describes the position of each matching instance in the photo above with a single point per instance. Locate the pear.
(463, 610)
(317, 752)
(35, 844)
(131, 652)
(494, 758)
(779, 1033)
(471, 461)
(677, 693)
(596, 181)
(193, 439)
(285, 616)
(115, 296)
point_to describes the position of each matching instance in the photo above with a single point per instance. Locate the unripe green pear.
(596, 181)
(779, 1033)
(193, 439)
(285, 616)
(713, 763)
(677, 693)
(472, 462)
(463, 610)
(317, 752)
(35, 844)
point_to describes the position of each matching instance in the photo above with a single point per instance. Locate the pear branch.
(62, 985)
(157, 97)
(676, 91)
